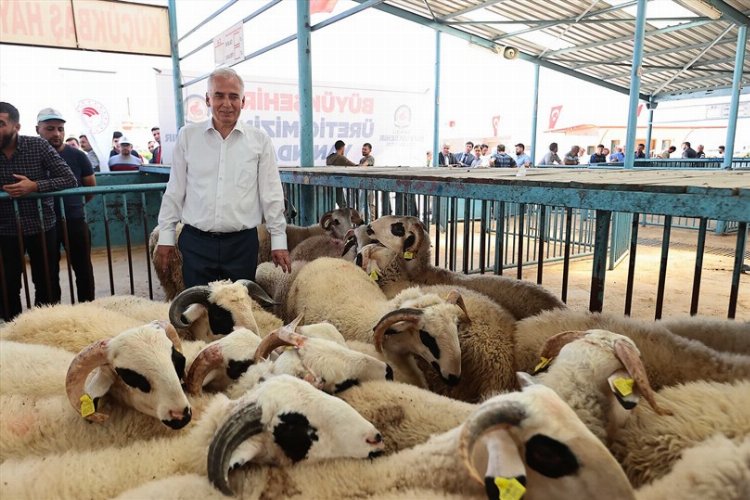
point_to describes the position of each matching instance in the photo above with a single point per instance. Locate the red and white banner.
(317, 6)
(554, 114)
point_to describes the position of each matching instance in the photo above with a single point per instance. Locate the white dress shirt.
(223, 185)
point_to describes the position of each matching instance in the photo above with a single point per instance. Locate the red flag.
(554, 114)
(322, 6)
(638, 113)
(495, 125)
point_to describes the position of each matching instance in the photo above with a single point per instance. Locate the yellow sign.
(86, 24)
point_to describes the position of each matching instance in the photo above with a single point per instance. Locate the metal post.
(304, 56)
(739, 63)
(436, 124)
(179, 111)
(651, 107)
(534, 113)
(635, 83)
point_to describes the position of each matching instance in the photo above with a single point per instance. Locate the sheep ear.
(325, 220)
(100, 381)
(246, 452)
(526, 380)
(624, 389)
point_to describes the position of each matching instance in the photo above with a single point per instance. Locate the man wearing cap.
(223, 182)
(77, 241)
(125, 160)
(522, 159)
(28, 165)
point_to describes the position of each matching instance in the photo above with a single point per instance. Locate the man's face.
(225, 101)
(85, 143)
(468, 147)
(519, 150)
(125, 149)
(366, 150)
(157, 135)
(116, 145)
(151, 146)
(8, 130)
(484, 150)
(477, 151)
(599, 150)
(641, 147)
(52, 131)
(446, 150)
(684, 146)
(73, 143)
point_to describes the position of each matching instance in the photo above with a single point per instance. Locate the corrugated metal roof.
(684, 50)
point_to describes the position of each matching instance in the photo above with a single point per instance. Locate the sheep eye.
(430, 342)
(134, 379)
(550, 457)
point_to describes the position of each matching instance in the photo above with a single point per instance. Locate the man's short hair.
(469, 143)
(116, 134)
(72, 138)
(599, 146)
(520, 145)
(368, 145)
(339, 144)
(13, 115)
(553, 145)
(686, 143)
(501, 147)
(154, 129)
(721, 148)
(226, 73)
(484, 146)
(83, 136)
(642, 145)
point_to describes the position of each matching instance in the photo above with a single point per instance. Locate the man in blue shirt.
(598, 156)
(77, 241)
(617, 156)
(522, 159)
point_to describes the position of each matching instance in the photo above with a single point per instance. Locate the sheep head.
(532, 444)
(378, 261)
(338, 222)
(285, 420)
(403, 234)
(141, 367)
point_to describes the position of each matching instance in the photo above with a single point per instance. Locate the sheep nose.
(452, 379)
(376, 440)
(388, 372)
(179, 418)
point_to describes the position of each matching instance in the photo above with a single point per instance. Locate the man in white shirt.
(223, 181)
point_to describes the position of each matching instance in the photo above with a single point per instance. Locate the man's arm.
(272, 202)
(61, 176)
(173, 200)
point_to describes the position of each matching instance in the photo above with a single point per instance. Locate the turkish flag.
(322, 6)
(554, 114)
(495, 125)
(638, 113)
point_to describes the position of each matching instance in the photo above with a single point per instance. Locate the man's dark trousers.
(209, 257)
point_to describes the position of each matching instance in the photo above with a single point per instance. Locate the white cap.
(125, 140)
(48, 114)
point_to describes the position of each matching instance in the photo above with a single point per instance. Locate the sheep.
(426, 326)
(731, 336)
(527, 440)
(323, 245)
(32, 370)
(282, 421)
(334, 223)
(407, 238)
(668, 358)
(139, 308)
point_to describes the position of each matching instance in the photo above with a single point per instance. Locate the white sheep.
(334, 223)
(32, 370)
(723, 335)
(142, 309)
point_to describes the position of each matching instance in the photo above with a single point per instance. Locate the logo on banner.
(402, 116)
(196, 110)
(495, 125)
(554, 114)
(94, 115)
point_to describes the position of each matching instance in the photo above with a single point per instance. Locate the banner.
(86, 24)
(554, 114)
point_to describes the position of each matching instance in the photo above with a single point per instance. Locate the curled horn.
(502, 414)
(418, 238)
(356, 218)
(325, 220)
(393, 317)
(186, 298)
(91, 357)
(351, 241)
(241, 425)
(256, 292)
(555, 343)
(631, 359)
(210, 358)
(273, 340)
(455, 298)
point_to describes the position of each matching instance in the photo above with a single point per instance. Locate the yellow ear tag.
(510, 488)
(408, 255)
(624, 386)
(87, 406)
(374, 276)
(544, 363)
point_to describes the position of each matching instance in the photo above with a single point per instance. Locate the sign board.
(229, 47)
(86, 24)
(721, 111)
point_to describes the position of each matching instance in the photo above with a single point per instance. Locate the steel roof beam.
(660, 31)
(730, 12)
(650, 70)
(549, 22)
(678, 95)
(488, 44)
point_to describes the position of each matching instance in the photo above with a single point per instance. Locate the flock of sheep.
(367, 372)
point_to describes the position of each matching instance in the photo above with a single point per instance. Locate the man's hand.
(166, 254)
(23, 187)
(281, 258)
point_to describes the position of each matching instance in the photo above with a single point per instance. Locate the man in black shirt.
(77, 241)
(598, 156)
(28, 165)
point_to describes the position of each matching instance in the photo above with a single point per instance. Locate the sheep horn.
(210, 358)
(270, 342)
(186, 298)
(393, 317)
(256, 292)
(555, 343)
(325, 220)
(350, 240)
(171, 333)
(454, 297)
(288, 333)
(631, 359)
(241, 425)
(356, 218)
(91, 357)
(502, 414)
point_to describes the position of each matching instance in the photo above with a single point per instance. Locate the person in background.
(446, 158)
(28, 165)
(368, 160)
(156, 153)
(428, 158)
(571, 157)
(337, 158)
(73, 142)
(551, 158)
(522, 159)
(466, 158)
(721, 151)
(617, 156)
(86, 147)
(223, 182)
(687, 151)
(77, 242)
(598, 156)
(483, 160)
(640, 152)
(151, 147)
(116, 137)
(126, 160)
(502, 159)
(667, 152)
(699, 153)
